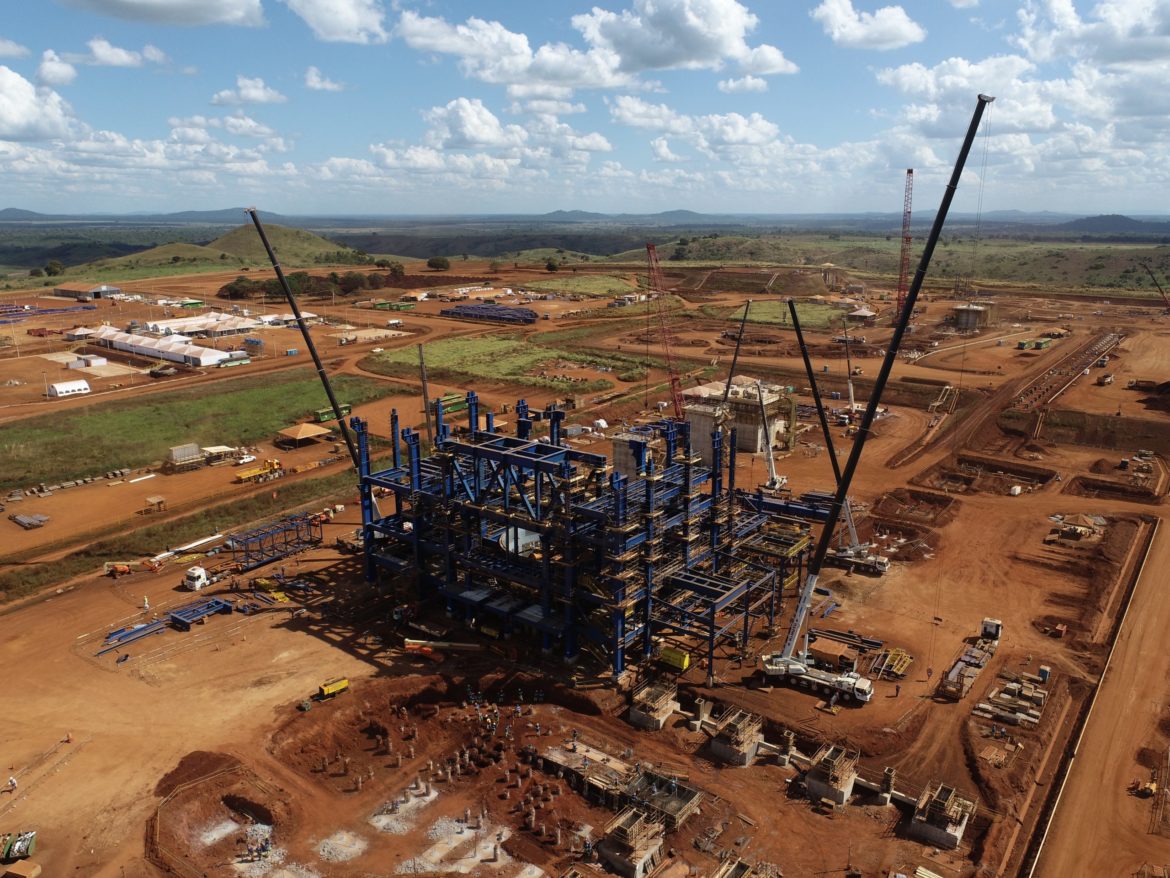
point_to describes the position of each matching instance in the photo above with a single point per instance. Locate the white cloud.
(467, 123)
(672, 34)
(546, 106)
(727, 129)
(343, 21)
(9, 49)
(54, 71)
(103, 54)
(767, 59)
(654, 35)
(660, 147)
(317, 82)
(945, 93)
(1117, 32)
(727, 137)
(964, 4)
(245, 126)
(743, 85)
(249, 91)
(28, 112)
(181, 12)
(887, 28)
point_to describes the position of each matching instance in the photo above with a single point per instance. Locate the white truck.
(196, 578)
(845, 684)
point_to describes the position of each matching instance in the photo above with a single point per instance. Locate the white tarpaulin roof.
(214, 321)
(176, 348)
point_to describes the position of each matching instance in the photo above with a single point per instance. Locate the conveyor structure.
(524, 537)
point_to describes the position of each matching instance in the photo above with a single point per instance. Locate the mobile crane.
(775, 482)
(788, 664)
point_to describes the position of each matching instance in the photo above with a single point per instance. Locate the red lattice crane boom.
(904, 267)
(656, 290)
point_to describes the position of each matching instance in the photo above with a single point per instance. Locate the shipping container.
(326, 414)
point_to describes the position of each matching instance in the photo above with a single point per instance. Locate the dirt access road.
(1098, 828)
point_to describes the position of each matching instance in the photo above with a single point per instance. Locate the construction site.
(791, 602)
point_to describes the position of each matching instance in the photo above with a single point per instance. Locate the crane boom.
(735, 356)
(1150, 272)
(904, 265)
(775, 482)
(656, 285)
(785, 663)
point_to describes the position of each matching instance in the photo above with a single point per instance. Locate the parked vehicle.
(196, 578)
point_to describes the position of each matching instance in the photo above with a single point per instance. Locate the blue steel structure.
(524, 537)
(272, 542)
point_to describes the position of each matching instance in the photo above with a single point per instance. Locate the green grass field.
(584, 284)
(501, 358)
(813, 315)
(136, 432)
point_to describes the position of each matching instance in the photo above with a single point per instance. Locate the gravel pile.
(343, 845)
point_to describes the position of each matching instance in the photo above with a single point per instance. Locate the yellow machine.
(332, 688)
(675, 658)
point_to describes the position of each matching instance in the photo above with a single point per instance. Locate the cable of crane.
(977, 238)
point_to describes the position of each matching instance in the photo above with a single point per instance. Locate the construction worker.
(11, 784)
(897, 689)
(145, 603)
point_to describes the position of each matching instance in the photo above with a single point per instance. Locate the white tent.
(68, 388)
(175, 348)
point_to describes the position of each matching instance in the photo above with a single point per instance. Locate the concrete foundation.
(941, 817)
(832, 775)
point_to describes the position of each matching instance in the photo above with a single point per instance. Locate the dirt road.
(1095, 806)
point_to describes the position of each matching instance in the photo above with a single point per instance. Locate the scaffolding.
(520, 536)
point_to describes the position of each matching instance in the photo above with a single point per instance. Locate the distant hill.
(1115, 224)
(15, 214)
(292, 246)
(239, 248)
(190, 256)
(573, 216)
(229, 216)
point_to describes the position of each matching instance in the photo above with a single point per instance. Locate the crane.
(849, 370)
(775, 482)
(735, 356)
(788, 664)
(655, 271)
(904, 266)
(856, 555)
(1165, 298)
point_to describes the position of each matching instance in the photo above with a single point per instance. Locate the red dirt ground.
(232, 686)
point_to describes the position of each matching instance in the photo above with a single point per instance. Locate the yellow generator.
(332, 688)
(675, 658)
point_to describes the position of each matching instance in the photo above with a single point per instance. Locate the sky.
(527, 106)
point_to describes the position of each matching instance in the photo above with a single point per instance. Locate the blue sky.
(376, 106)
